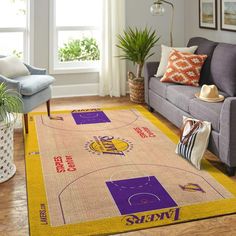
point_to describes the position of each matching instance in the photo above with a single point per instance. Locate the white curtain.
(112, 79)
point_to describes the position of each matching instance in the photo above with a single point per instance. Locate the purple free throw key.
(93, 117)
(139, 194)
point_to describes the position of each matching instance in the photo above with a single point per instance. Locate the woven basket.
(136, 89)
(7, 167)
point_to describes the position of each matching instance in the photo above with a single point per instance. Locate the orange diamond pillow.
(184, 68)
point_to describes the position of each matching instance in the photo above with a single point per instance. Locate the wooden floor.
(13, 199)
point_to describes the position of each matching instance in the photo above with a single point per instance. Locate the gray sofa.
(174, 101)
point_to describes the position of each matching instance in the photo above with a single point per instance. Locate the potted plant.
(136, 45)
(10, 105)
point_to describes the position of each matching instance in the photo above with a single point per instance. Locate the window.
(75, 35)
(14, 28)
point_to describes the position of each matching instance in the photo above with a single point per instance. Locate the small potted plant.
(10, 105)
(136, 45)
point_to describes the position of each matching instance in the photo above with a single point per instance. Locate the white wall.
(137, 14)
(192, 25)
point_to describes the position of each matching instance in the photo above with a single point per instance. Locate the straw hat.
(209, 93)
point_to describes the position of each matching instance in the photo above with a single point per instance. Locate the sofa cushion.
(158, 87)
(206, 47)
(12, 67)
(223, 68)
(184, 68)
(32, 84)
(180, 95)
(206, 111)
(165, 54)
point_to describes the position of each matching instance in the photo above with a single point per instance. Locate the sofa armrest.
(227, 139)
(150, 69)
(36, 71)
(11, 83)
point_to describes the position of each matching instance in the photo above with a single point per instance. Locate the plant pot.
(7, 167)
(136, 89)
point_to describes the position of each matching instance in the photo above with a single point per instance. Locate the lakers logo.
(108, 145)
(192, 188)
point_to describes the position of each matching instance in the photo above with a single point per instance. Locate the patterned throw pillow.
(184, 68)
(165, 53)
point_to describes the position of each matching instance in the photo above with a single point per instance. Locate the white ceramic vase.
(7, 166)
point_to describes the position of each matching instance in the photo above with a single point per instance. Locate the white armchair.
(35, 89)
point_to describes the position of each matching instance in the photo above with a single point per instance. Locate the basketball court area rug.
(107, 171)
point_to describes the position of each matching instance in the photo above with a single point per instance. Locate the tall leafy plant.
(10, 103)
(136, 45)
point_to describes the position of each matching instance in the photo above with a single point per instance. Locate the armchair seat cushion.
(32, 84)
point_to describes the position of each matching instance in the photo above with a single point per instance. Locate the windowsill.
(57, 71)
(75, 67)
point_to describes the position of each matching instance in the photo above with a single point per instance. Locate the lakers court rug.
(106, 171)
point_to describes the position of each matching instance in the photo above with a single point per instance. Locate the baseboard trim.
(75, 90)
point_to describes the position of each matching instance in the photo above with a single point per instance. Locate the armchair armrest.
(227, 138)
(36, 71)
(150, 69)
(11, 84)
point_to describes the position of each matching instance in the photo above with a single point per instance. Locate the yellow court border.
(37, 202)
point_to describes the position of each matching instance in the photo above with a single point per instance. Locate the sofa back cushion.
(205, 47)
(223, 68)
